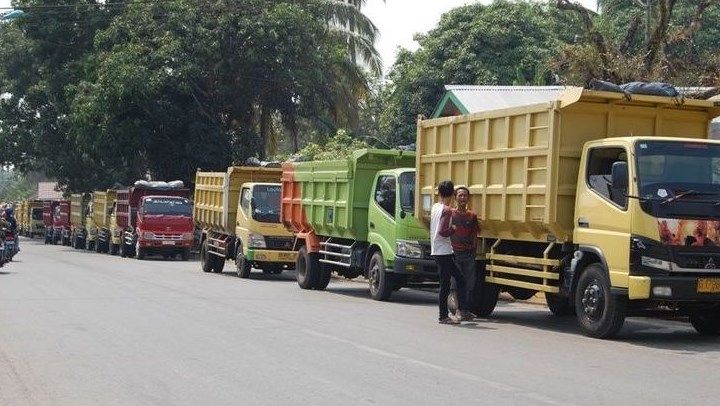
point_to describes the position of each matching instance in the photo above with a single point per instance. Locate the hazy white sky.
(399, 20)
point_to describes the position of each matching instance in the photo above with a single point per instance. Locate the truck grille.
(174, 237)
(698, 260)
(279, 243)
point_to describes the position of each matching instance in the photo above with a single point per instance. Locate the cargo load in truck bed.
(102, 203)
(521, 163)
(330, 198)
(217, 195)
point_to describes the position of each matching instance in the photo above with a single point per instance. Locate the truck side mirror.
(619, 175)
(619, 187)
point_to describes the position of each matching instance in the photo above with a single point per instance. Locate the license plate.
(168, 243)
(708, 285)
(286, 257)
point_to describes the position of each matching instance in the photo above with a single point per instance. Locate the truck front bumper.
(675, 288)
(165, 244)
(416, 267)
(272, 256)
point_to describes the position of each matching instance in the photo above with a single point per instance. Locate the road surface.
(80, 328)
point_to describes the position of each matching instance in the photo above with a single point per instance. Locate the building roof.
(464, 99)
(48, 191)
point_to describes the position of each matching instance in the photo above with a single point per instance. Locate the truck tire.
(139, 251)
(485, 298)
(600, 313)
(123, 250)
(89, 245)
(98, 246)
(308, 268)
(243, 266)
(706, 323)
(218, 263)
(559, 305)
(114, 248)
(324, 276)
(205, 261)
(381, 281)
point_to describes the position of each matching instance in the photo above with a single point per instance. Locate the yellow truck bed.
(521, 164)
(102, 202)
(217, 195)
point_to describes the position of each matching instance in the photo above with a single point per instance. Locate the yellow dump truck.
(239, 213)
(606, 203)
(103, 216)
(30, 219)
(78, 220)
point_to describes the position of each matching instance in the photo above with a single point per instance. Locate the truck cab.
(646, 215)
(402, 240)
(261, 239)
(164, 226)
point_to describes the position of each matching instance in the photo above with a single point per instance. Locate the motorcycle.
(11, 246)
(3, 256)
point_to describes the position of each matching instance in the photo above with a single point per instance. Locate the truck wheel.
(218, 263)
(559, 305)
(114, 248)
(242, 264)
(139, 251)
(205, 260)
(452, 301)
(706, 323)
(89, 245)
(381, 281)
(307, 266)
(485, 298)
(323, 277)
(185, 254)
(98, 246)
(600, 313)
(123, 250)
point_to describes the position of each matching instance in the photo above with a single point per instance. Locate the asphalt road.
(79, 328)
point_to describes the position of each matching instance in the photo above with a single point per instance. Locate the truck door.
(602, 218)
(382, 214)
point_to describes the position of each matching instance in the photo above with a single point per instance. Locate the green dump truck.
(355, 217)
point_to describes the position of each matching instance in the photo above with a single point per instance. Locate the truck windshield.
(37, 214)
(678, 179)
(407, 192)
(167, 206)
(266, 203)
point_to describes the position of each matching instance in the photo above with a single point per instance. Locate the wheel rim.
(593, 300)
(137, 249)
(374, 277)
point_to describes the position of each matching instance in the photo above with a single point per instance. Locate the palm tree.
(345, 19)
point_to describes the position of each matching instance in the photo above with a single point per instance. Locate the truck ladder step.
(327, 261)
(335, 254)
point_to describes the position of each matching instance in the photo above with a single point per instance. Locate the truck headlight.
(408, 249)
(148, 235)
(256, 241)
(655, 263)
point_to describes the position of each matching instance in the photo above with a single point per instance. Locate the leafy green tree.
(500, 43)
(666, 40)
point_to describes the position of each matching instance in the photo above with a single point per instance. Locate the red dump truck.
(156, 218)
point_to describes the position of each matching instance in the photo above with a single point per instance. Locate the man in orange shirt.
(464, 245)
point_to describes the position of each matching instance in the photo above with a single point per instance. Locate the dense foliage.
(96, 94)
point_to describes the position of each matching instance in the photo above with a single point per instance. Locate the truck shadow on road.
(651, 333)
(256, 275)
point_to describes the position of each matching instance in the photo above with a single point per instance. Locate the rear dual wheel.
(210, 262)
(311, 274)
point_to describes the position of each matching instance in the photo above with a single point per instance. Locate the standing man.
(442, 252)
(464, 245)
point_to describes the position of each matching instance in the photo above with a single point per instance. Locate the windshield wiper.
(686, 193)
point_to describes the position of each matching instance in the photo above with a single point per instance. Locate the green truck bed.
(330, 198)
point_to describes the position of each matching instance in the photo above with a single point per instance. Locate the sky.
(399, 21)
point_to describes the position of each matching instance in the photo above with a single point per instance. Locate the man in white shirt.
(442, 251)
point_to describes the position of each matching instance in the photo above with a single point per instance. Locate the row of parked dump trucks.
(606, 204)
